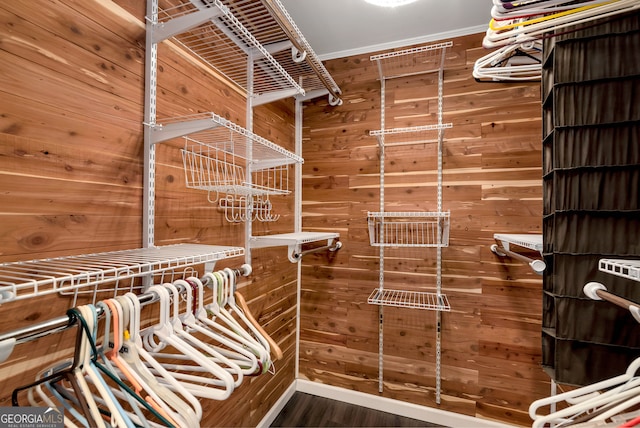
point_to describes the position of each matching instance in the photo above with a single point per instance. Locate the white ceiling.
(339, 28)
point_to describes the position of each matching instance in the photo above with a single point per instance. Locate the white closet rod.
(598, 291)
(538, 266)
(32, 332)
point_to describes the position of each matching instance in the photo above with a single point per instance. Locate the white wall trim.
(405, 42)
(397, 407)
(275, 410)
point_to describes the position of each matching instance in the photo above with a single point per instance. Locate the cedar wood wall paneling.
(71, 158)
(492, 183)
(71, 180)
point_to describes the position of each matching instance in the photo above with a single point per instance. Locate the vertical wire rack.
(410, 229)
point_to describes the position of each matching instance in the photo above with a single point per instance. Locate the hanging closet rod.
(538, 266)
(32, 332)
(530, 241)
(597, 291)
(333, 247)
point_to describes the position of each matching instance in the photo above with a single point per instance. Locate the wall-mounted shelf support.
(529, 241)
(294, 242)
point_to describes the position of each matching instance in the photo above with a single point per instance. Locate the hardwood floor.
(306, 410)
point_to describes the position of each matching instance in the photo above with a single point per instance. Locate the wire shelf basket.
(409, 229)
(220, 170)
(410, 299)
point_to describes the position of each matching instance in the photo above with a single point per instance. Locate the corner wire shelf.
(27, 279)
(411, 229)
(227, 34)
(408, 229)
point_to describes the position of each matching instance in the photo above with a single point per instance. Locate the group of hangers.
(517, 28)
(611, 402)
(122, 375)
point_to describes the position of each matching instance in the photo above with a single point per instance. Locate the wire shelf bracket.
(295, 240)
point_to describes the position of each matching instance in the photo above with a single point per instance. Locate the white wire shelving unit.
(410, 229)
(28, 279)
(257, 47)
(229, 34)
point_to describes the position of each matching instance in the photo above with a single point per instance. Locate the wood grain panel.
(71, 162)
(492, 183)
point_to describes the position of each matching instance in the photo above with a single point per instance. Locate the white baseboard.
(273, 413)
(409, 410)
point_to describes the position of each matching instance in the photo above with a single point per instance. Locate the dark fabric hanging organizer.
(591, 190)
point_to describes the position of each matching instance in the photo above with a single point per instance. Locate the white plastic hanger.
(188, 410)
(160, 335)
(238, 348)
(588, 397)
(517, 62)
(180, 371)
(499, 38)
(226, 323)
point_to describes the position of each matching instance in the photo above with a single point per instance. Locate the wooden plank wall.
(491, 345)
(71, 166)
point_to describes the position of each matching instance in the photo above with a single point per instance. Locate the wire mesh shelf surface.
(410, 299)
(408, 229)
(411, 135)
(240, 27)
(629, 269)
(21, 280)
(295, 238)
(407, 62)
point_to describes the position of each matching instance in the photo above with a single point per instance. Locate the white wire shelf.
(530, 241)
(225, 33)
(407, 62)
(411, 135)
(629, 269)
(23, 280)
(408, 229)
(295, 238)
(410, 299)
(294, 241)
